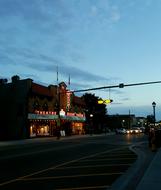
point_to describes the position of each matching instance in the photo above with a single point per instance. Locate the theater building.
(31, 110)
(42, 115)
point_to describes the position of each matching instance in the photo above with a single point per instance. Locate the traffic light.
(100, 101)
(108, 101)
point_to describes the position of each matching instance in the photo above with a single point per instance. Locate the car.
(135, 130)
(120, 131)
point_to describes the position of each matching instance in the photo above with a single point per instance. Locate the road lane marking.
(88, 187)
(69, 176)
(59, 165)
(69, 162)
(93, 160)
(121, 154)
(93, 166)
(8, 182)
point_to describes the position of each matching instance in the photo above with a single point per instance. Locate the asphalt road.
(86, 162)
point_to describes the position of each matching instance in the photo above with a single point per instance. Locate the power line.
(121, 85)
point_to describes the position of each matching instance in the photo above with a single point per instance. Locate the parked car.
(120, 131)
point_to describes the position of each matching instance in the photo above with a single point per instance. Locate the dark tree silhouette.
(95, 113)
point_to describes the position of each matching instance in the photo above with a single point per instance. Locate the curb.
(131, 178)
(151, 178)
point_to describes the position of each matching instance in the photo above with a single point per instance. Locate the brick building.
(29, 110)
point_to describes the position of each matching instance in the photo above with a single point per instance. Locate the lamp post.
(123, 123)
(154, 105)
(91, 124)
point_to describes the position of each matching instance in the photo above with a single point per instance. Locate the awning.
(55, 117)
(42, 116)
(73, 118)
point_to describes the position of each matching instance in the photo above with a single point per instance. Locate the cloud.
(105, 13)
(35, 34)
(34, 10)
(93, 11)
(44, 63)
(125, 99)
(115, 14)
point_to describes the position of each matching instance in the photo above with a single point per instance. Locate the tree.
(95, 113)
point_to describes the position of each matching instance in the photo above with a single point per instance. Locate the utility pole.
(129, 120)
(154, 105)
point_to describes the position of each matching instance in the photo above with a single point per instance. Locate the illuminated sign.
(62, 112)
(68, 93)
(79, 115)
(45, 112)
(75, 114)
(70, 114)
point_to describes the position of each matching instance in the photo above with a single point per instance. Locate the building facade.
(120, 121)
(30, 110)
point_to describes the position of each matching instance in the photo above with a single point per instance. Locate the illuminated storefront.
(45, 123)
(76, 122)
(42, 123)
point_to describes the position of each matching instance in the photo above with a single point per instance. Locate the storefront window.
(40, 130)
(32, 131)
(43, 130)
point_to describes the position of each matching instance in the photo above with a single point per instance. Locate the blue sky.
(96, 42)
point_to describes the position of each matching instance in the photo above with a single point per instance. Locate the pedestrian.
(153, 141)
(150, 137)
(58, 133)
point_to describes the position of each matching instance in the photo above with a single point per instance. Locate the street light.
(91, 124)
(123, 123)
(154, 105)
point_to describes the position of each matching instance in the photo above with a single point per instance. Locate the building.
(120, 121)
(29, 109)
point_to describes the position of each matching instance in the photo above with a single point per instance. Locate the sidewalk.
(41, 139)
(37, 139)
(152, 177)
(144, 174)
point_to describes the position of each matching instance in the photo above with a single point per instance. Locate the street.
(85, 162)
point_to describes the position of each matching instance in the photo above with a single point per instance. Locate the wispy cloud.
(125, 99)
(36, 34)
(115, 15)
(40, 62)
(105, 12)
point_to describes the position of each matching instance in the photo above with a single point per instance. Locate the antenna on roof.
(69, 81)
(57, 76)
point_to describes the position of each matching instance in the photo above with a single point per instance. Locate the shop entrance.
(42, 128)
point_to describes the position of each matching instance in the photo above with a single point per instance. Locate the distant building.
(141, 121)
(120, 121)
(29, 110)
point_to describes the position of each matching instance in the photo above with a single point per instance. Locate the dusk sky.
(96, 42)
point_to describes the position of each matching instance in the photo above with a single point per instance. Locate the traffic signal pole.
(121, 85)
